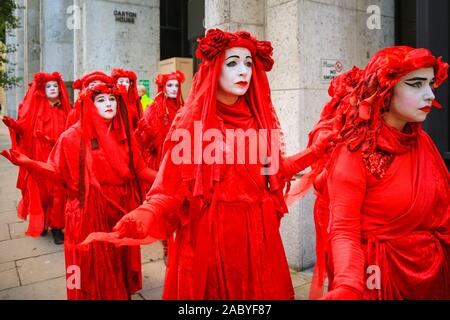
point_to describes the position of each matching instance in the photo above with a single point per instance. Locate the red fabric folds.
(39, 125)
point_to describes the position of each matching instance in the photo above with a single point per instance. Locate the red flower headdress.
(83, 82)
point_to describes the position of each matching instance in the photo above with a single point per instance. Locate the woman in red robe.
(128, 79)
(382, 210)
(98, 161)
(41, 120)
(87, 81)
(158, 117)
(225, 215)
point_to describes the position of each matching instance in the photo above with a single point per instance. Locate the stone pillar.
(102, 43)
(303, 34)
(32, 40)
(56, 38)
(234, 15)
(16, 63)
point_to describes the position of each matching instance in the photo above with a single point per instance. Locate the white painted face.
(412, 98)
(124, 82)
(236, 71)
(51, 89)
(106, 105)
(94, 83)
(172, 87)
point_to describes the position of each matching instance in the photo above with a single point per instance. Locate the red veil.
(36, 117)
(133, 100)
(81, 85)
(201, 103)
(358, 100)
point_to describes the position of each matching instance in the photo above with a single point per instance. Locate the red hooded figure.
(382, 210)
(89, 80)
(99, 163)
(41, 119)
(128, 79)
(225, 215)
(158, 117)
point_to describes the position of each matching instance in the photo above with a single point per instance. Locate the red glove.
(342, 293)
(12, 124)
(135, 224)
(322, 141)
(17, 158)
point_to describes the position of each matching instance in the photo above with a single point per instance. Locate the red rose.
(214, 42)
(264, 52)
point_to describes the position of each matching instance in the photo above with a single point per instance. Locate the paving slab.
(152, 294)
(17, 230)
(10, 216)
(27, 247)
(152, 252)
(8, 276)
(153, 274)
(54, 289)
(4, 232)
(45, 267)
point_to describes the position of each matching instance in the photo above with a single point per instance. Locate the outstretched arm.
(41, 168)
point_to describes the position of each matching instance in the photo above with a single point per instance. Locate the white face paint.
(172, 88)
(236, 72)
(124, 82)
(106, 105)
(94, 83)
(51, 89)
(412, 98)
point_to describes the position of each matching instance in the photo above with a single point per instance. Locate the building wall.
(75, 37)
(102, 43)
(303, 33)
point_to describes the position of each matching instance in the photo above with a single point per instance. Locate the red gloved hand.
(322, 141)
(135, 224)
(12, 124)
(17, 158)
(342, 293)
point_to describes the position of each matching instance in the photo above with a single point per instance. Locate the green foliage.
(8, 22)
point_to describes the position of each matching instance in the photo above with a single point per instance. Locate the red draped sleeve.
(346, 187)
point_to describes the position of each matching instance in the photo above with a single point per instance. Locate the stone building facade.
(312, 40)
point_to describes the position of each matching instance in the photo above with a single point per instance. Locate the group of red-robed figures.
(382, 211)
(81, 174)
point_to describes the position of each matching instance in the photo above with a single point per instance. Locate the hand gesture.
(15, 157)
(134, 224)
(11, 123)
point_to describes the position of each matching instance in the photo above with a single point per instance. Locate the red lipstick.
(426, 109)
(242, 83)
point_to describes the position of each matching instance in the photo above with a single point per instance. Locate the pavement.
(33, 268)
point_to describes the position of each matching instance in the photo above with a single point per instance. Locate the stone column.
(32, 40)
(56, 38)
(234, 15)
(16, 62)
(303, 34)
(103, 43)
